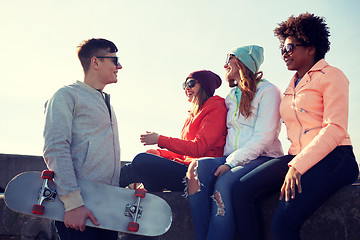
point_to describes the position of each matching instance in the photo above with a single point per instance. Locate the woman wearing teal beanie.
(253, 126)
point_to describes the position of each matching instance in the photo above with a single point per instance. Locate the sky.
(160, 42)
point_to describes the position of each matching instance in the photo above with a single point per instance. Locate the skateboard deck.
(115, 208)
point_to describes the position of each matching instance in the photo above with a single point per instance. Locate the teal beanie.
(252, 56)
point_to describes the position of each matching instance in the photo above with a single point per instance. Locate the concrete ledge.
(18, 226)
(12, 165)
(338, 218)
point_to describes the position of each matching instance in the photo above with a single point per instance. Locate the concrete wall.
(338, 218)
(12, 165)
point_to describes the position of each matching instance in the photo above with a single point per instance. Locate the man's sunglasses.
(289, 48)
(114, 59)
(190, 84)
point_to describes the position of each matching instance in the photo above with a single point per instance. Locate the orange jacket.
(203, 135)
(316, 114)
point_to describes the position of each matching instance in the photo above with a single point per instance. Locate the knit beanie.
(208, 80)
(251, 56)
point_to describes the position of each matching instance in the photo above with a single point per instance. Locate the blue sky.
(160, 43)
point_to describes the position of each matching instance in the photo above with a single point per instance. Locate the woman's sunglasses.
(289, 48)
(229, 56)
(190, 84)
(114, 59)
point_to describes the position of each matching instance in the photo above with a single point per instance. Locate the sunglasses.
(228, 57)
(289, 48)
(114, 59)
(189, 84)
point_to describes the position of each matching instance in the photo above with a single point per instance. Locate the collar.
(320, 65)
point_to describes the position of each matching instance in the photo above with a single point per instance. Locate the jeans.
(90, 233)
(337, 169)
(211, 206)
(155, 172)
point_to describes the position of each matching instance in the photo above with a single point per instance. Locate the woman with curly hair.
(315, 111)
(253, 126)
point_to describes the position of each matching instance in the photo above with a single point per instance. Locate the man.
(81, 137)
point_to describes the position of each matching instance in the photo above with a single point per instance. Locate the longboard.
(117, 209)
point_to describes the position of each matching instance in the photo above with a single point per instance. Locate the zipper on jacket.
(114, 149)
(309, 129)
(233, 120)
(315, 114)
(297, 117)
(238, 130)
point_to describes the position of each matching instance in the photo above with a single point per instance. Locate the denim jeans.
(337, 169)
(155, 172)
(211, 206)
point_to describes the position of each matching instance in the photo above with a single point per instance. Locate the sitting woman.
(253, 123)
(203, 135)
(315, 111)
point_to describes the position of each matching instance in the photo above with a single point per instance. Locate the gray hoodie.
(81, 141)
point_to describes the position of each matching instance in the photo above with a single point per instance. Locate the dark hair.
(94, 47)
(307, 28)
(200, 99)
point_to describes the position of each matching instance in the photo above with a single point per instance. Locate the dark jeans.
(337, 169)
(155, 172)
(90, 233)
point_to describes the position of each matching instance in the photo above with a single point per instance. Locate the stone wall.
(338, 218)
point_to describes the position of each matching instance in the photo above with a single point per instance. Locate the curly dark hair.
(307, 28)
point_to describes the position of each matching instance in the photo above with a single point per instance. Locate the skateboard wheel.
(38, 209)
(133, 227)
(140, 193)
(47, 174)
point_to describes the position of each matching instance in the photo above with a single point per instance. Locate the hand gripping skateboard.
(117, 209)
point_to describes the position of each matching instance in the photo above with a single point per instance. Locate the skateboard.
(117, 209)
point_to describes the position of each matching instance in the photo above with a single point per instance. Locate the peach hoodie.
(316, 114)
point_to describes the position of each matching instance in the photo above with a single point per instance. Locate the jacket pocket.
(310, 129)
(311, 113)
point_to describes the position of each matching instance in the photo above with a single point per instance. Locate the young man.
(81, 137)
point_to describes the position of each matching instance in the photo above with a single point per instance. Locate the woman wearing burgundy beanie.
(203, 135)
(253, 126)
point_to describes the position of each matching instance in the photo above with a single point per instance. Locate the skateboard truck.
(46, 193)
(135, 210)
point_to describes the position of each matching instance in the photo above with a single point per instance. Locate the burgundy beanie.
(208, 80)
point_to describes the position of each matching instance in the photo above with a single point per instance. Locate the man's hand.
(292, 178)
(76, 218)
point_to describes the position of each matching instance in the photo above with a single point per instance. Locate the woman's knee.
(141, 161)
(192, 178)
